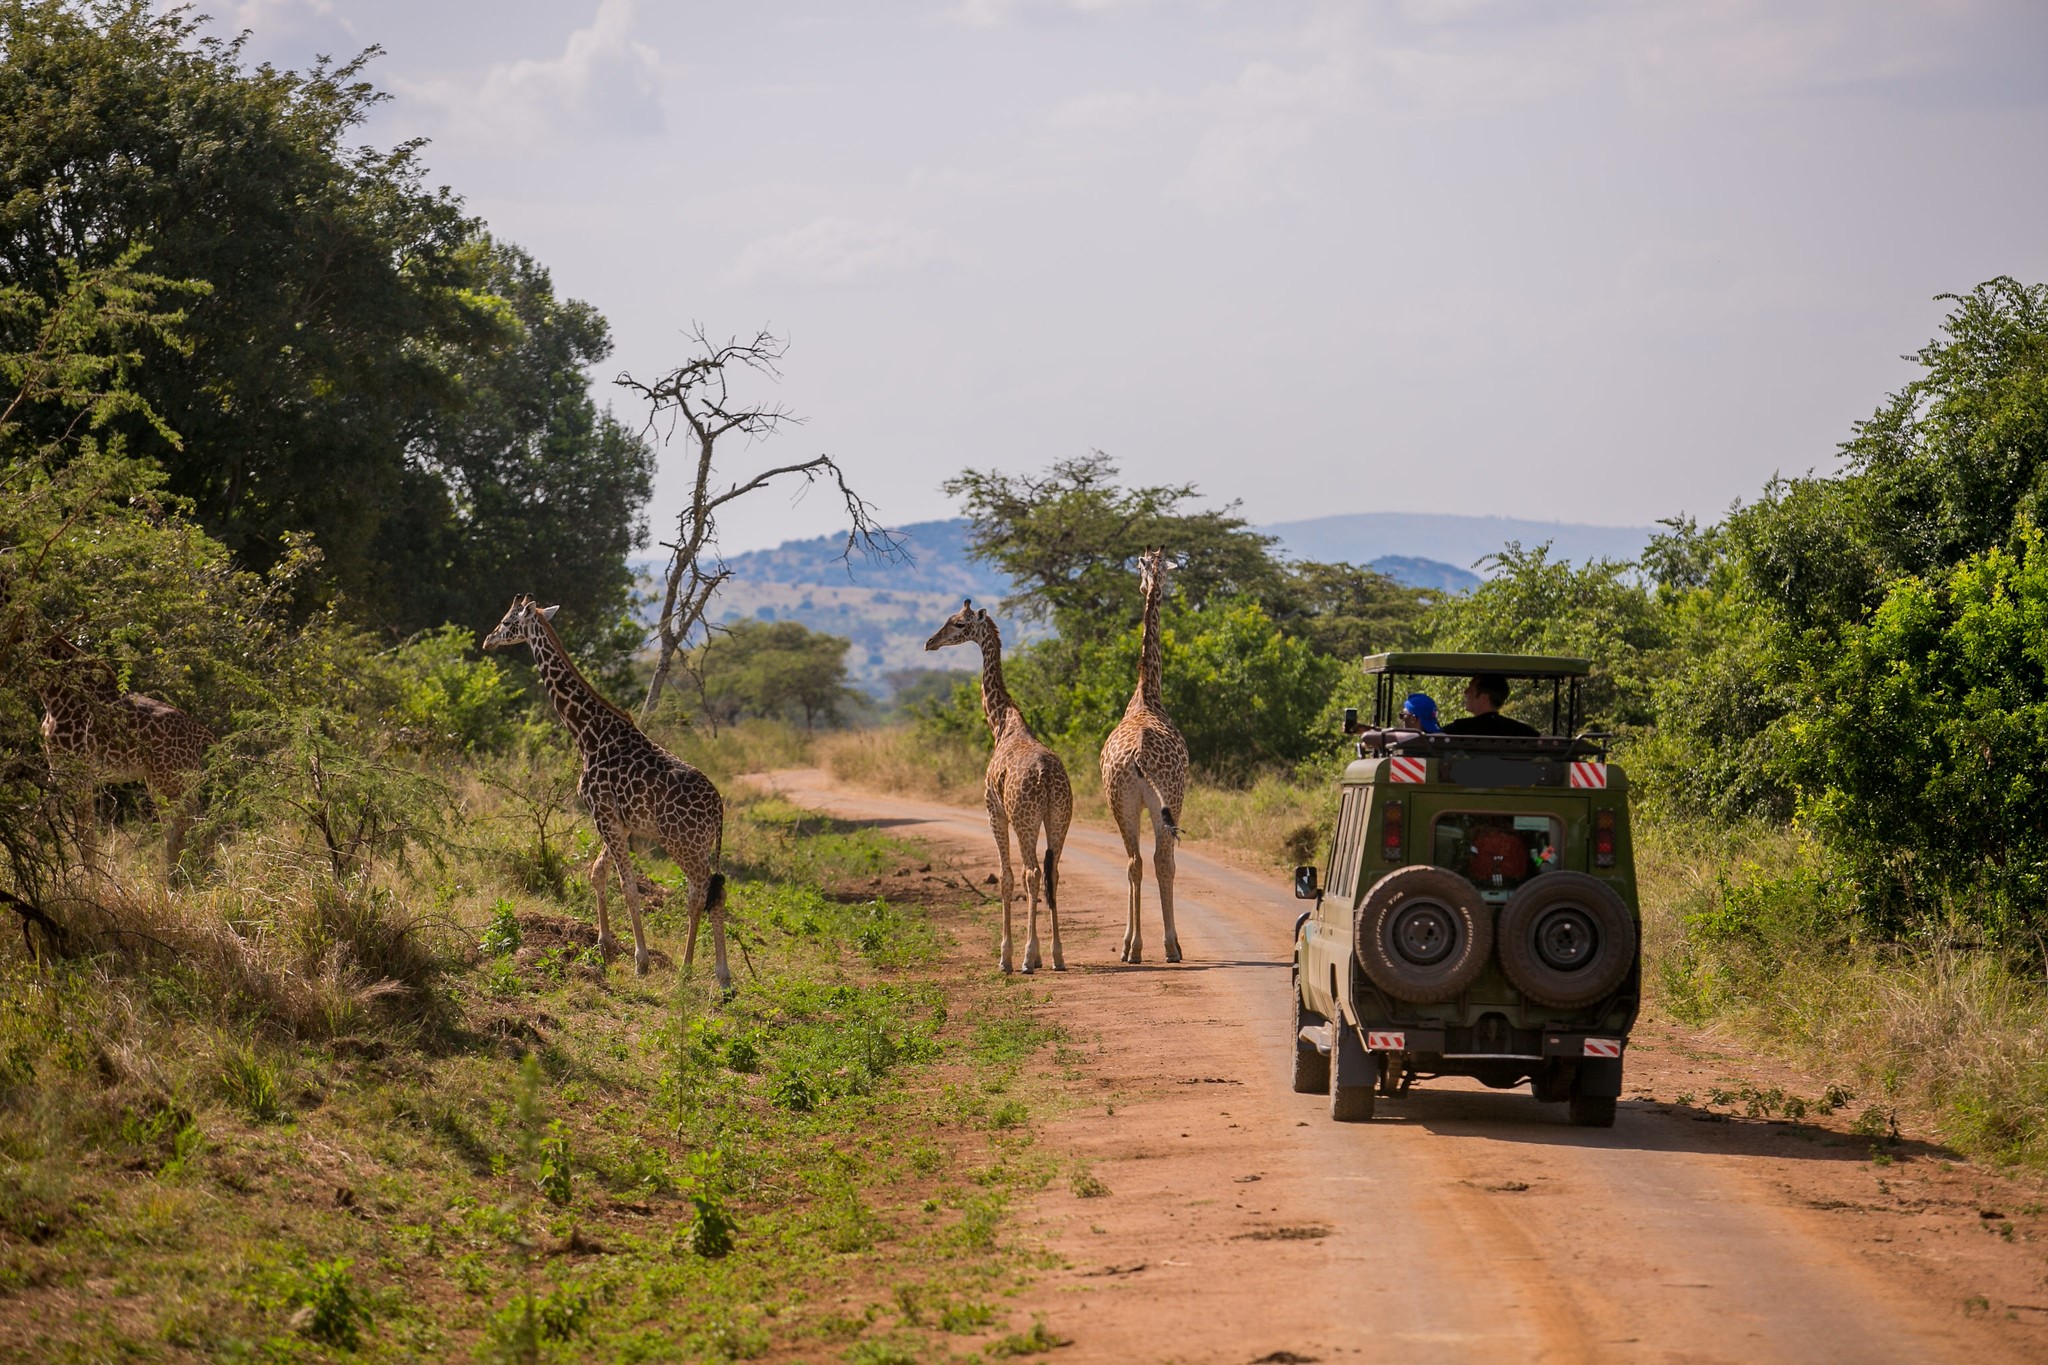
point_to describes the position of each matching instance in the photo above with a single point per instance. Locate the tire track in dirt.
(1241, 1224)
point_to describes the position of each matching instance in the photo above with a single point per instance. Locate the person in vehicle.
(1484, 696)
(1419, 713)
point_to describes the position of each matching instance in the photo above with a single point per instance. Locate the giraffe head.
(1151, 570)
(969, 625)
(521, 624)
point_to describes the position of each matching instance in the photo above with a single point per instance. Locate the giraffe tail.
(1162, 814)
(1052, 880)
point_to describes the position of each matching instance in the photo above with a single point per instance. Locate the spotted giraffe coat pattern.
(1145, 768)
(94, 734)
(1026, 788)
(631, 785)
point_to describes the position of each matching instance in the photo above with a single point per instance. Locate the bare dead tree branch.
(695, 402)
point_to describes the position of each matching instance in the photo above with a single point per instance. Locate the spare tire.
(1423, 935)
(1566, 939)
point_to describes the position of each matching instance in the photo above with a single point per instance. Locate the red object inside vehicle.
(1497, 852)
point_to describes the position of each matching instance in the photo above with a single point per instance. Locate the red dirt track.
(1462, 1224)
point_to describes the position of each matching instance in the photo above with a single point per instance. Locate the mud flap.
(1354, 1075)
(1598, 1078)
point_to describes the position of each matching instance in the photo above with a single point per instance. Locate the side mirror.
(1350, 720)
(1305, 888)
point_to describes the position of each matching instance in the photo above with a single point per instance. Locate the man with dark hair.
(1484, 696)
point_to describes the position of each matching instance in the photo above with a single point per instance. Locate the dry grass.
(1743, 926)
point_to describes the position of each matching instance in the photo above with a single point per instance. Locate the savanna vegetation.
(280, 429)
(1834, 703)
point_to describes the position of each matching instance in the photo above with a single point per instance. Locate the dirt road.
(1240, 1224)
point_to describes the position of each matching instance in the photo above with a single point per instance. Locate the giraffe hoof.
(1173, 954)
(640, 964)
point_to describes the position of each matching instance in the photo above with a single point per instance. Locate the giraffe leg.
(1053, 842)
(612, 856)
(1027, 849)
(707, 892)
(1000, 824)
(1124, 806)
(178, 808)
(631, 892)
(1162, 868)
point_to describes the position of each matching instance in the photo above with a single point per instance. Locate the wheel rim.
(1422, 933)
(1566, 939)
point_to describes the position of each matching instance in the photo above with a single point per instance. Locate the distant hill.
(1364, 537)
(888, 609)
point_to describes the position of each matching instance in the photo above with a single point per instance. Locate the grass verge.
(480, 1146)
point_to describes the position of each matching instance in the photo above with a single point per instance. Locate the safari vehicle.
(1477, 916)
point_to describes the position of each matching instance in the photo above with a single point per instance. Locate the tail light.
(1603, 838)
(1390, 832)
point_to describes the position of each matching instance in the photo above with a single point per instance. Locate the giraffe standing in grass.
(1026, 787)
(1145, 766)
(93, 734)
(632, 786)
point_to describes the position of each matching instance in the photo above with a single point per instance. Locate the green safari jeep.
(1477, 916)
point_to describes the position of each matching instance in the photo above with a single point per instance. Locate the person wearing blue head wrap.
(1419, 711)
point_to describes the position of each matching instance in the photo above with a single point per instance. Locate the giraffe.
(93, 733)
(1145, 763)
(632, 786)
(1026, 787)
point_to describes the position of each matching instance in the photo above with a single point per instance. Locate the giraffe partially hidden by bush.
(1026, 787)
(632, 786)
(94, 733)
(1145, 765)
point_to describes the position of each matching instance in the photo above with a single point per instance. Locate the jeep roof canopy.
(1470, 665)
(1559, 669)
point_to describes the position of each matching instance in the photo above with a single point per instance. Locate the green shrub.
(501, 937)
(451, 695)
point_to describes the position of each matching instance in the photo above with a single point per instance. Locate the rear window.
(1498, 850)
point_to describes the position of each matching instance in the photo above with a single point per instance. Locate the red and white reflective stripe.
(1587, 773)
(1603, 1047)
(1404, 769)
(1386, 1042)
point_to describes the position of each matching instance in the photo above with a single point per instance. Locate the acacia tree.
(697, 396)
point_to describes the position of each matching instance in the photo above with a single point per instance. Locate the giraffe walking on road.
(1026, 788)
(632, 786)
(1145, 767)
(93, 734)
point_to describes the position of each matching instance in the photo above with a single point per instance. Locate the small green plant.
(1833, 1098)
(880, 1353)
(555, 1179)
(1038, 1340)
(966, 1317)
(1879, 1122)
(561, 1314)
(502, 979)
(502, 936)
(470, 1273)
(326, 1307)
(712, 1226)
(1087, 1185)
(251, 1085)
(743, 1055)
(795, 1093)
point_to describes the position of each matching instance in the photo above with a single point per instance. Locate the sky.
(1586, 261)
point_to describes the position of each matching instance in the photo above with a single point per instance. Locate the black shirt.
(1491, 723)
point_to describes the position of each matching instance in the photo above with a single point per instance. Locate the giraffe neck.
(996, 705)
(587, 714)
(1149, 666)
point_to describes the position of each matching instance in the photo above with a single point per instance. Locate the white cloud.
(605, 81)
(837, 251)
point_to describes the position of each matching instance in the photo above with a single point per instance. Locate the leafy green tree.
(524, 486)
(365, 367)
(1921, 741)
(1940, 472)
(1533, 604)
(1347, 611)
(1069, 537)
(775, 669)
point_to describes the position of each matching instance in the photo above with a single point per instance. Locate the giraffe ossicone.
(1145, 769)
(1026, 788)
(631, 785)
